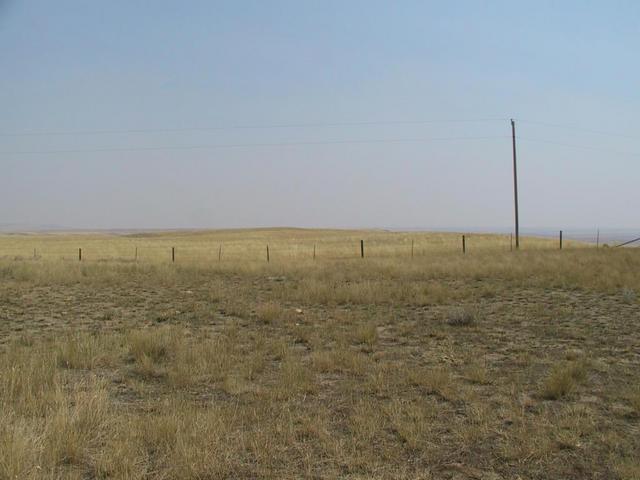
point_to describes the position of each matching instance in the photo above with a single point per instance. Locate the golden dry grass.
(491, 365)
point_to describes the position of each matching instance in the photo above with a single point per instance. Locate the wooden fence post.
(314, 251)
(173, 254)
(80, 254)
(560, 239)
(267, 253)
(464, 244)
(361, 248)
(511, 242)
(220, 253)
(412, 248)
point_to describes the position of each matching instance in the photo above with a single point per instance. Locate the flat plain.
(416, 361)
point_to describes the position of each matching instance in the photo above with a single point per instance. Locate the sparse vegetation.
(495, 365)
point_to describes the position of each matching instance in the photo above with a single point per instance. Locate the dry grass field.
(490, 365)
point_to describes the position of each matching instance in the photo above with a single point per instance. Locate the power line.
(580, 129)
(251, 145)
(248, 127)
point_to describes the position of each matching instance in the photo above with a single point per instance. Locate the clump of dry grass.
(270, 312)
(84, 351)
(366, 335)
(76, 429)
(436, 381)
(340, 359)
(477, 372)
(462, 316)
(149, 349)
(294, 378)
(633, 397)
(564, 379)
(412, 422)
(28, 380)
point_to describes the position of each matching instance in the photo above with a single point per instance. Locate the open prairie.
(416, 361)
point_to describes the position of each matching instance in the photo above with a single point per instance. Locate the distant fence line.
(333, 251)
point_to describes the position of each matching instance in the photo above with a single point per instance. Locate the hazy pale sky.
(124, 113)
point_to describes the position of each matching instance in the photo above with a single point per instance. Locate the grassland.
(490, 365)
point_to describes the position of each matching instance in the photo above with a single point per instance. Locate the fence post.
(314, 251)
(598, 239)
(79, 254)
(220, 253)
(173, 254)
(511, 242)
(136, 254)
(464, 244)
(412, 248)
(267, 253)
(560, 239)
(361, 248)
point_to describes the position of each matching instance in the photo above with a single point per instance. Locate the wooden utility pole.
(515, 182)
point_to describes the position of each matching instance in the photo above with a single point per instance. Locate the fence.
(252, 249)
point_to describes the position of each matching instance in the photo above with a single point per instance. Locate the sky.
(345, 113)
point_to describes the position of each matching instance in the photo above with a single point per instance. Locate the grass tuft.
(564, 379)
(462, 317)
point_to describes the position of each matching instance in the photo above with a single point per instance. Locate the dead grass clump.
(150, 348)
(633, 397)
(197, 361)
(365, 420)
(477, 372)
(564, 379)
(188, 441)
(342, 359)
(154, 344)
(433, 380)
(462, 317)
(366, 335)
(76, 430)
(294, 378)
(20, 446)
(29, 381)
(412, 422)
(270, 312)
(83, 351)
